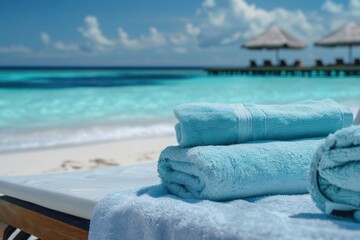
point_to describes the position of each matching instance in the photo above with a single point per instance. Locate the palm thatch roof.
(347, 35)
(274, 38)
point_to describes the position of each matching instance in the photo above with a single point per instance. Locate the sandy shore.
(86, 157)
(83, 157)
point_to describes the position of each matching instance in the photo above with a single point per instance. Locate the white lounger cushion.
(77, 193)
(357, 118)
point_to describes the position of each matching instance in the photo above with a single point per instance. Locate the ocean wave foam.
(15, 140)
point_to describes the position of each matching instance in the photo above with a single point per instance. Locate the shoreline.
(72, 158)
(86, 155)
(20, 140)
(81, 144)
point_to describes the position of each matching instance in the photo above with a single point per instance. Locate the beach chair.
(297, 63)
(267, 63)
(252, 63)
(283, 63)
(31, 220)
(339, 62)
(59, 206)
(319, 63)
(357, 61)
(49, 209)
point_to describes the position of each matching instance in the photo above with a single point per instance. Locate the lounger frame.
(41, 222)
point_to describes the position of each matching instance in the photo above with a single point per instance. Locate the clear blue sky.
(162, 33)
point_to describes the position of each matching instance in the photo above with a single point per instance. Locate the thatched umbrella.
(274, 38)
(348, 35)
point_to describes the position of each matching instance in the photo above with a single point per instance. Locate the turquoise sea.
(43, 107)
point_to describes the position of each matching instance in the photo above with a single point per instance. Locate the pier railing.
(287, 71)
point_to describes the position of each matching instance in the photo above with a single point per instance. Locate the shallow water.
(53, 107)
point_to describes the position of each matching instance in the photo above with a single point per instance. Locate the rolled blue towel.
(222, 124)
(335, 174)
(237, 171)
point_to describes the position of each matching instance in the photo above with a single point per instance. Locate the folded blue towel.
(335, 174)
(222, 124)
(152, 213)
(237, 171)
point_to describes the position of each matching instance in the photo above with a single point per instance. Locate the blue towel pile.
(253, 168)
(335, 174)
(238, 168)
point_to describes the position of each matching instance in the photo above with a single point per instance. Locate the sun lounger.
(339, 62)
(282, 63)
(267, 63)
(31, 219)
(319, 63)
(55, 198)
(357, 62)
(297, 63)
(60, 206)
(252, 63)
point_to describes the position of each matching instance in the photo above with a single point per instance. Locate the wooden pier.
(332, 71)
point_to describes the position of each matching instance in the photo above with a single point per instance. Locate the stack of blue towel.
(260, 149)
(231, 152)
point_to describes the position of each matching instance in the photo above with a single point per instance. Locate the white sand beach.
(83, 157)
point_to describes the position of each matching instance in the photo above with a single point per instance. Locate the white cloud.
(20, 49)
(354, 6)
(180, 50)
(93, 33)
(59, 45)
(154, 39)
(127, 42)
(332, 7)
(251, 15)
(178, 39)
(97, 42)
(215, 27)
(354, 3)
(217, 19)
(232, 39)
(66, 46)
(211, 26)
(341, 13)
(258, 19)
(192, 30)
(209, 3)
(45, 38)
